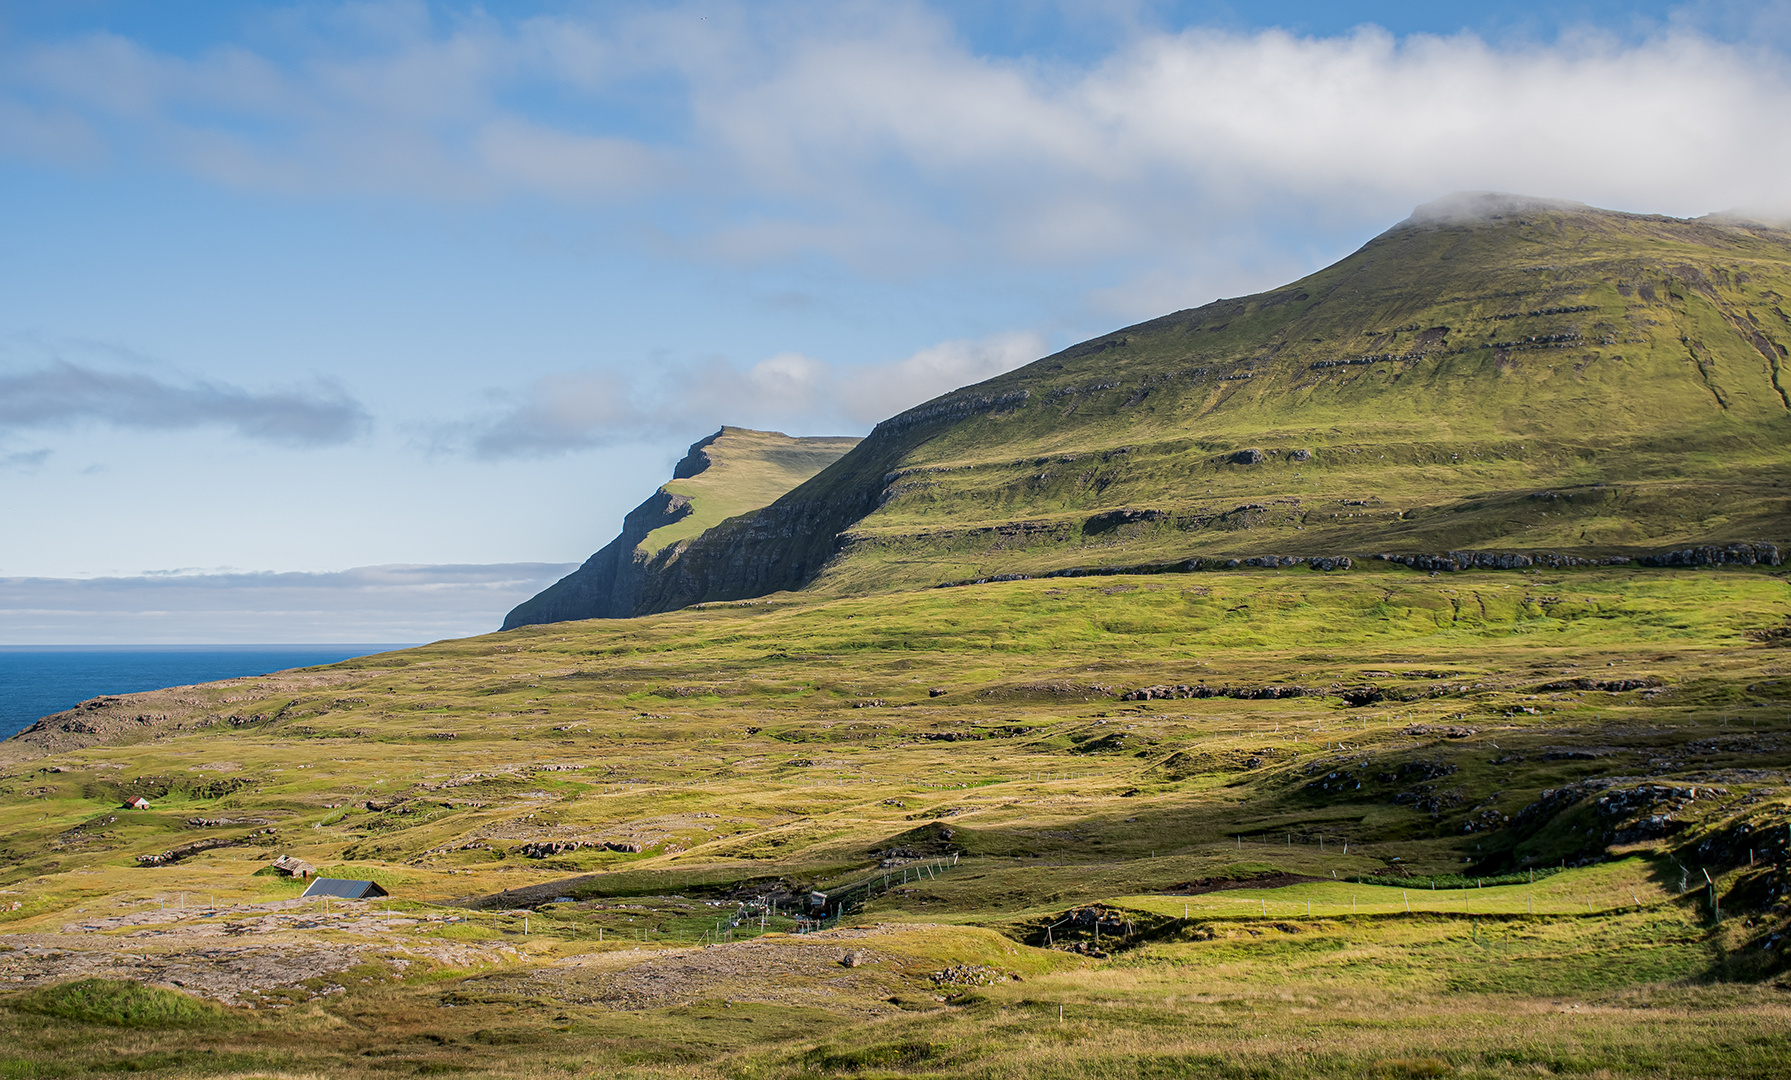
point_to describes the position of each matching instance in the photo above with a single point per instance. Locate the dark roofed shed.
(346, 888)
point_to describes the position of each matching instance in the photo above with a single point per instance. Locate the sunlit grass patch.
(118, 1003)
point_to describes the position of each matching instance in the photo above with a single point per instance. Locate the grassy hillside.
(745, 470)
(1472, 815)
(1552, 378)
(1256, 821)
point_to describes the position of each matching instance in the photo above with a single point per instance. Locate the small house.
(136, 802)
(344, 888)
(287, 866)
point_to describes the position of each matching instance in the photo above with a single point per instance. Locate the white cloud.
(1269, 115)
(59, 393)
(874, 133)
(873, 393)
(577, 410)
(580, 166)
(553, 414)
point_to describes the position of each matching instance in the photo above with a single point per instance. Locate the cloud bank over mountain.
(877, 134)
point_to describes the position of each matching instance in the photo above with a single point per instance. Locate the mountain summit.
(1494, 374)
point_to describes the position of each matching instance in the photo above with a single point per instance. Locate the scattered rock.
(1113, 519)
(1573, 753)
(175, 854)
(1201, 691)
(1614, 686)
(1447, 731)
(546, 849)
(969, 975)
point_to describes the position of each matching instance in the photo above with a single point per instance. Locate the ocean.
(37, 680)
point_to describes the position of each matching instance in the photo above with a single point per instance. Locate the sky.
(323, 321)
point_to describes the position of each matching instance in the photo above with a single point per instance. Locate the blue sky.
(290, 290)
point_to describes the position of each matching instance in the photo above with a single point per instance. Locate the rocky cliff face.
(734, 469)
(787, 544)
(609, 584)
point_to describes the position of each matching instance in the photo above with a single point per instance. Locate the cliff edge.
(734, 471)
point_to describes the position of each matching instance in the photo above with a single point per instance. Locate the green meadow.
(1411, 826)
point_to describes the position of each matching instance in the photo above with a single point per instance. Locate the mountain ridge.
(1428, 393)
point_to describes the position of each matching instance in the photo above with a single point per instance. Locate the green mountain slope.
(734, 471)
(1494, 374)
(1263, 823)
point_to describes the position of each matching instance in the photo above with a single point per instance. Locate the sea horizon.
(40, 680)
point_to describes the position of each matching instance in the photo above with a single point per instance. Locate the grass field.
(602, 838)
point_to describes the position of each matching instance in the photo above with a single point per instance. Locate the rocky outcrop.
(1186, 566)
(1612, 686)
(1182, 691)
(630, 577)
(609, 583)
(1113, 519)
(1755, 554)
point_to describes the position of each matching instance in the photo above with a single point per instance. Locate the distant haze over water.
(37, 680)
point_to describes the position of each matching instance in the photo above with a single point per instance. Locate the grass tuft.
(119, 1003)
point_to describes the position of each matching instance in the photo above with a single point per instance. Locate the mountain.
(734, 471)
(1495, 374)
(1376, 823)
